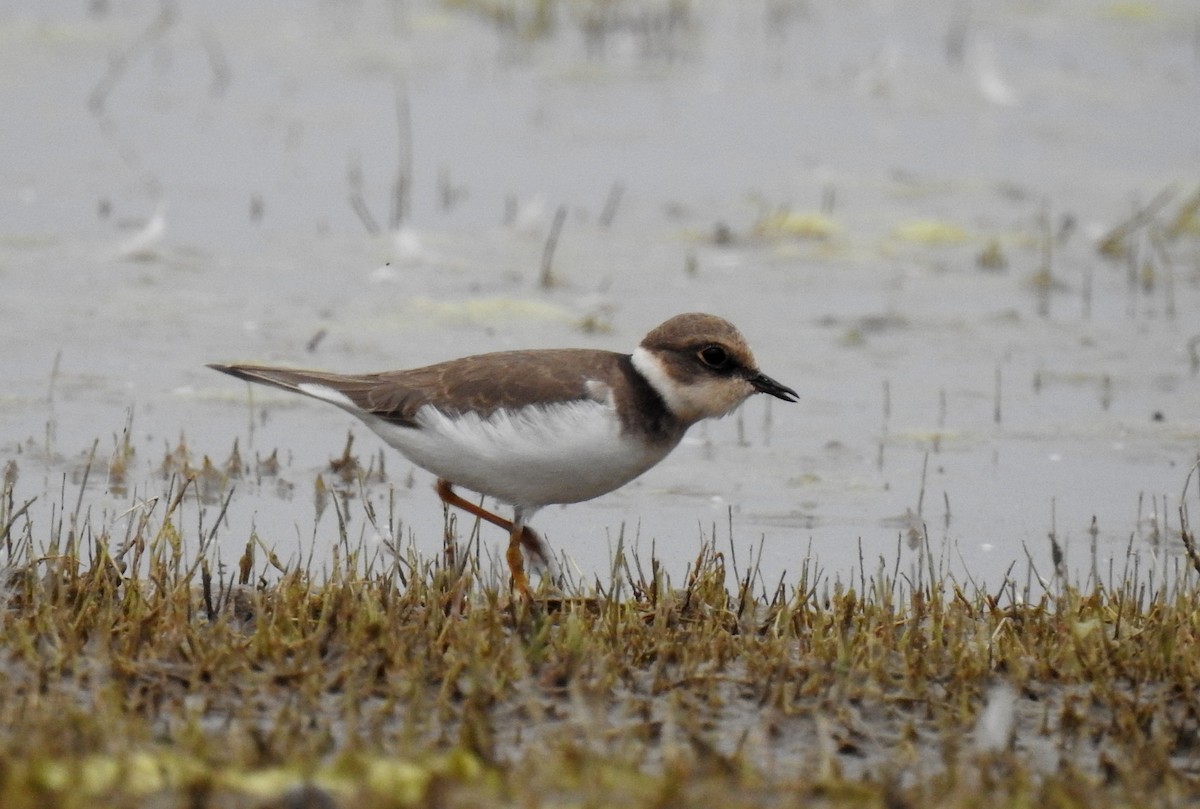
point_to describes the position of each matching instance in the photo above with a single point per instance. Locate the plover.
(531, 428)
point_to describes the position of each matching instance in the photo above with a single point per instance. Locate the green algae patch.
(930, 233)
(798, 225)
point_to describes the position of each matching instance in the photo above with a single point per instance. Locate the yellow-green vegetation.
(930, 232)
(795, 225)
(137, 673)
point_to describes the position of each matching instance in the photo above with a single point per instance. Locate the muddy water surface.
(900, 204)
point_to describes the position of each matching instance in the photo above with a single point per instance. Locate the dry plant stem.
(610, 205)
(151, 677)
(354, 693)
(6, 531)
(1046, 273)
(218, 64)
(402, 185)
(997, 397)
(547, 275)
(1185, 533)
(1158, 242)
(358, 201)
(119, 64)
(1115, 242)
(921, 494)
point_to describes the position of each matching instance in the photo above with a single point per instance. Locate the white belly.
(563, 453)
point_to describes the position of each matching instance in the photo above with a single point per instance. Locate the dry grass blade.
(181, 681)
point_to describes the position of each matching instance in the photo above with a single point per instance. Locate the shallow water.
(175, 191)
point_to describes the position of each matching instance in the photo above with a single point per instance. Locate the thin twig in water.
(87, 473)
(354, 177)
(547, 276)
(996, 404)
(1086, 292)
(402, 186)
(610, 205)
(1116, 241)
(53, 377)
(1056, 554)
(218, 63)
(119, 64)
(315, 340)
(16, 515)
(1185, 533)
(1158, 242)
(957, 32)
(1046, 271)
(921, 495)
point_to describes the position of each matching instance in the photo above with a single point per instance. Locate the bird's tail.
(338, 389)
(286, 378)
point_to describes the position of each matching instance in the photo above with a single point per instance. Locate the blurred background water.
(966, 233)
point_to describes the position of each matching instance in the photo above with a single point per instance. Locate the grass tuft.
(139, 670)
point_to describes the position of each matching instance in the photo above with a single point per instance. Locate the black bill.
(765, 384)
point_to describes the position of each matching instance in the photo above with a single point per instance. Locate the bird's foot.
(516, 561)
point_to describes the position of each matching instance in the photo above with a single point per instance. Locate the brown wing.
(489, 382)
(483, 383)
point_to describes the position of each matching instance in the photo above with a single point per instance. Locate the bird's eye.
(714, 357)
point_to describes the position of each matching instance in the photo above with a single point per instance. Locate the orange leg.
(516, 564)
(518, 535)
(445, 490)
